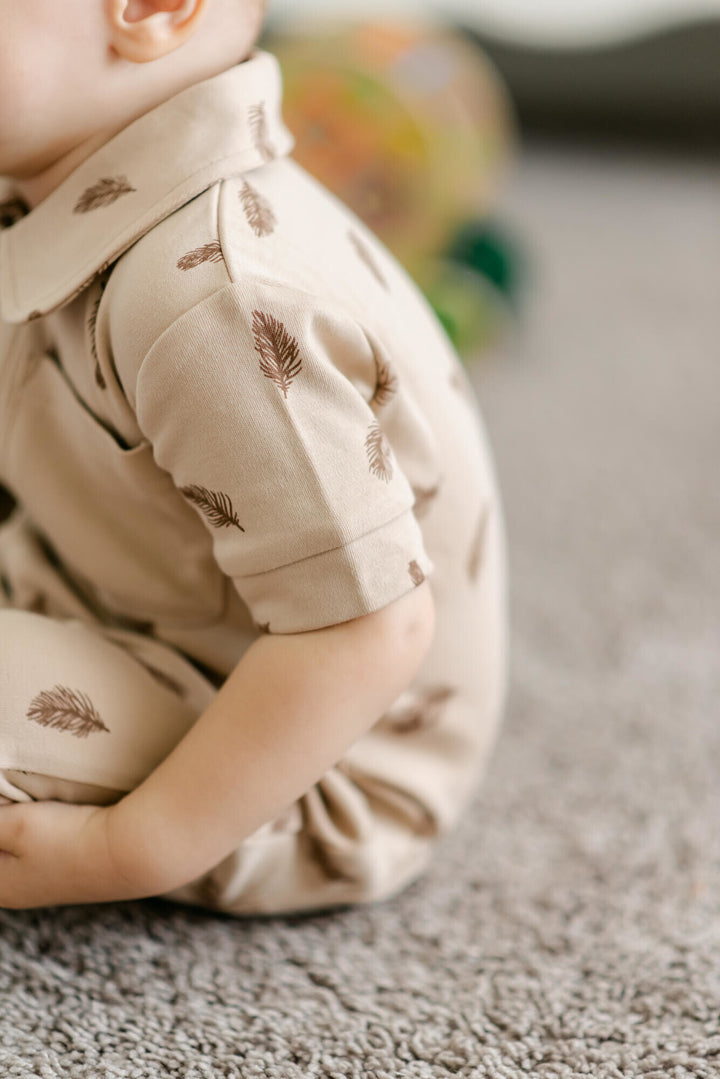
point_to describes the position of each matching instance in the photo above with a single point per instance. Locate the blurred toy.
(411, 127)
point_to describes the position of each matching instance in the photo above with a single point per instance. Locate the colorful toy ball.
(408, 123)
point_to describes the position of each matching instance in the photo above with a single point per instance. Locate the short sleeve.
(256, 402)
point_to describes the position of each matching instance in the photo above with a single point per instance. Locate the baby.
(253, 631)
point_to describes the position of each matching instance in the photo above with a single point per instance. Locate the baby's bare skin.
(72, 75)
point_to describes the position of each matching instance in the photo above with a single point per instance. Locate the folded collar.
(220, 127)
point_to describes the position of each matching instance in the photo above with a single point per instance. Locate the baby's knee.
(29, 642)
(20, 641)
(94, 706)
(33, 708)
(18, 629)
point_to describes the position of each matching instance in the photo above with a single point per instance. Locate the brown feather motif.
(257, 209)
(423, 498)
(279, 359)
(478, 545)
(216, 505)
(103, 193)
(363, 252)
(386, 383)
(416, 574)
(258, 126)
(211, 252)
(379, 452)
(65, 709)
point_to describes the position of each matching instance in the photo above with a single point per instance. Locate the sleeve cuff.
(343, 583)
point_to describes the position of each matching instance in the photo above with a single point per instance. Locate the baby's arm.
(290, 709)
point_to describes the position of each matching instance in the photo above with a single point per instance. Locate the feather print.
(257, 209)
(379, 452)
(211, 252)
(65, 709)
(258, 126)
(363, 252)
(279, 359)
(385, 383)
(216, 505)
(478, 545)
(415, 572)
(103, 193)
(423, 712)
(423, 498)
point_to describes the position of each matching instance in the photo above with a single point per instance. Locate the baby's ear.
(145, 30)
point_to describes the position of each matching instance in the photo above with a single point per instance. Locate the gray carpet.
(571, 927)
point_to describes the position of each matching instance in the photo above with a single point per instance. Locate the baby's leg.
(86, 713)
(337, 844)
(84, 719)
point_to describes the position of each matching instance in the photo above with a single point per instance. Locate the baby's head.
(74, 73)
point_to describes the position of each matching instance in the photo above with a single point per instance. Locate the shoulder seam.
(273, 283)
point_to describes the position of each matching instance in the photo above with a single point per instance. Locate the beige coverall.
(226, 410)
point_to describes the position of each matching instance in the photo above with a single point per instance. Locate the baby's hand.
(52, 853)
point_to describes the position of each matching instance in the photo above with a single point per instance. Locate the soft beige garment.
(226, 410)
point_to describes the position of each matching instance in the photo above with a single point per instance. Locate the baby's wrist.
(148, 849)
(141, 860)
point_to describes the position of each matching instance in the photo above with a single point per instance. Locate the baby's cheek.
(19, 114)
(40, 89)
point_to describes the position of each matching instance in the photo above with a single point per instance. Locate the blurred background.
(636, 66)
(416, 114)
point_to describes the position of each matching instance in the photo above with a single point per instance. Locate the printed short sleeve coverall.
(226, 410)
